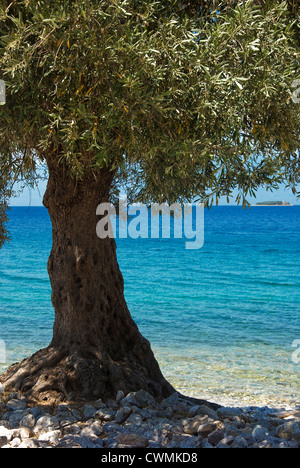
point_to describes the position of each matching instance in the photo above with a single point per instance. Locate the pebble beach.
(137, 420)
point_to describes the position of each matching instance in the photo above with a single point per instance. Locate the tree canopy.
(179, 99)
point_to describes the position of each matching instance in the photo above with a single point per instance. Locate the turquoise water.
(221, 320)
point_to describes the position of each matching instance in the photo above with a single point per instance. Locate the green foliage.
(20, 169)
(3, 215)
(181, 100)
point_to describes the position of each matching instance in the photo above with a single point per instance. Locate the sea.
(223, 320)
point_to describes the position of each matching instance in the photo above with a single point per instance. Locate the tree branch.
(11, 4)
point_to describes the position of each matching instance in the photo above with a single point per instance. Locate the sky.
(31, 197)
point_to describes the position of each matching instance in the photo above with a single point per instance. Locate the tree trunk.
(96, 348)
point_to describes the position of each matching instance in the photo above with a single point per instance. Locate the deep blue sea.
(222, 320)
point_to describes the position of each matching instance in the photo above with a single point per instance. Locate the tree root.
(27, 375)
(56, 376)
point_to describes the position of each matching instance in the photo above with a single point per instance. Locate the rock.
(191, 425)
(28, 421)
(51, 436)
(167, 413)
(5, 416)
(15, 442)
(207, 445)
(240, 442)
(2, 389)
(193, 411)
(171, 400)
(205, 410)
(29, 444)
(92, 430)
(215, 437)
(15, 417)
(296, 437)
(227, 440)
(37, 412)
(21, 432)
(67, 421)
(120, 396)
(181, 408)
(139, 399)
(13, 405)
(5, 432)
(154, 445)
(145, 399)
(134, 420)
(205, 429)
(226, 412)
(287, 414)
(99, 404)
(105, 414)
(113, 428)
(74, 441)
(4, 423)
(129, 400)
(259, 433)
(163, 433)
(147, 413)
(46, 424)
(63, 408)
(138, 421)
(122, 414)
(238, 422)
(3, 441)
(89, 411)
(222, 446)
(131, 441)
(263, 444)
(112, 404)
(230, 429)
(72, 429)
(266, 421)
(185, 441)
(68, 415)
(289, 428)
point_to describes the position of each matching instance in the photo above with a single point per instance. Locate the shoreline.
(251, 400)
(244, 401)
(276, 405)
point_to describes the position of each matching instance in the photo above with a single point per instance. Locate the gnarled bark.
(96, 348)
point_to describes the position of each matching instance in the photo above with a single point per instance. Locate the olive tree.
(175, 101)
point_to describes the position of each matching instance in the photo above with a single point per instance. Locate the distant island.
(273, 203)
